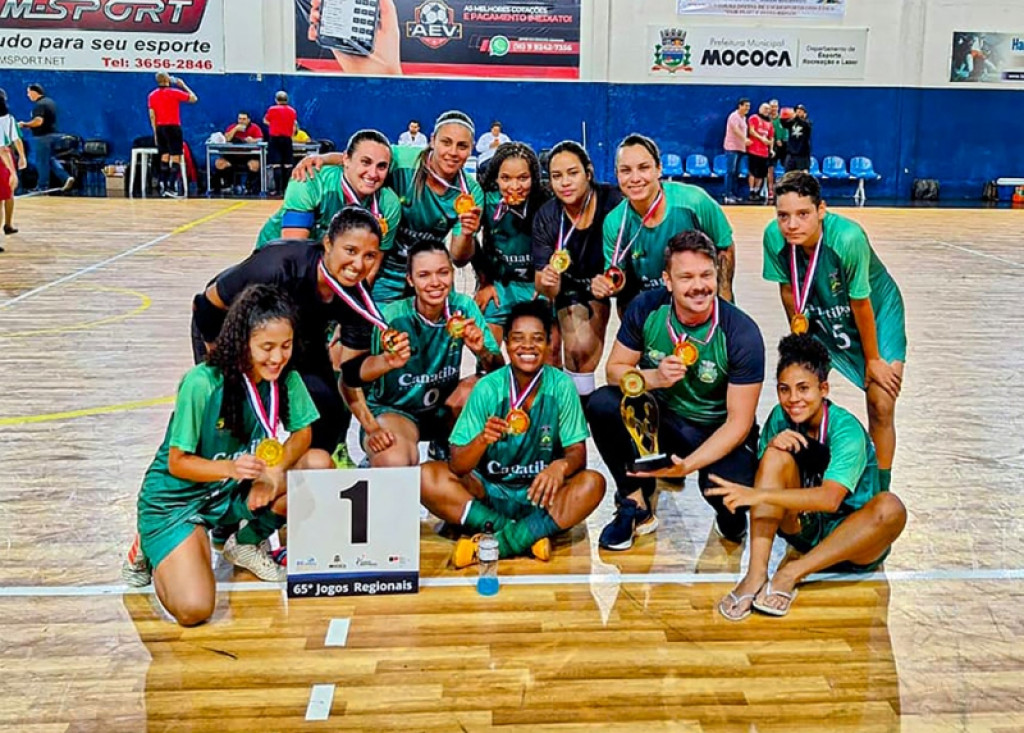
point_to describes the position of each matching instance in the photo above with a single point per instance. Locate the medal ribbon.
(367, 310)
(447, 316)
(516, 398)
(563, 239)
(351, 198)
(267, 422)
(680, 338)
(463, 186)
(801, 294)
(619, 254)
(823, 428)
(503, 208)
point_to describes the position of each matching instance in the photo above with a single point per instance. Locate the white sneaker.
(255, 559)
(137, 573)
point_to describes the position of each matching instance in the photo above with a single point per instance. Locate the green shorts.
(509, 295)
(815, 527)
(433, 425)
(506, 499)
(160, 531)
(891, 329)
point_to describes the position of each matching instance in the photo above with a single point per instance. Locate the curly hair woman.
(223, 458)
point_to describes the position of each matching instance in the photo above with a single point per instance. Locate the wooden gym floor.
(94, 309)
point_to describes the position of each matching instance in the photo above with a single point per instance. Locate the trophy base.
(650, 463)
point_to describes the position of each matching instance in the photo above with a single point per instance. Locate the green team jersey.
(433, 370)
(781, 133)
(847, 269)
(852, 462)
(734, 354)
(196, 427)
(425, 216)
(311, 204)
(686, 208)
(556, 422)
(508, 243)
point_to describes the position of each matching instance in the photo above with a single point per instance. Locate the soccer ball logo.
(433, 13)
(433, 24)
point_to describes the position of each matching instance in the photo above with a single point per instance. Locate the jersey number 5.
(841, 338)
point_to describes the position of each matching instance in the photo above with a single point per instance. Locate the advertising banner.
(112, 35)
(987, 57)
(525, 39)
(756, 53)
(794, 8)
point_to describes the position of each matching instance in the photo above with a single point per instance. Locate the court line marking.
(952, 574)
(86, 412)
(986, 255)
(85, 325)
(127, 253)
(321, 697)
(337, 632)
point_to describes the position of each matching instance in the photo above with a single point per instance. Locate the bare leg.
(578, 499)
(9, 213)
(555, 354)
(184, 581)
(444, 493)
(405, 451)
(583, 335)
(457, 400)
(862, 538)
(497, 332)
(881, 421)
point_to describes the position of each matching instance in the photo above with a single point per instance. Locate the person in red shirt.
(762, 139)
(165, 118)
(282, 122)
(244, 130)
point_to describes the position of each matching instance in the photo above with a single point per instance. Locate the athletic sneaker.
(731, 527)
(255, 559)
(68, 184)
(630, 521)
(467, 551)
(341, 457)
(438, 451)
(136, 572)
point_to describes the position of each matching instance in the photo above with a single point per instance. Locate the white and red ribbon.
(801, 294)
(680, 338)
(351, 198)
(517, 398)
(563, 239)
(368, 309)
(267, 421)
(620, 252)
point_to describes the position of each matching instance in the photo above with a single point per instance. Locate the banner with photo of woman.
(995, 58)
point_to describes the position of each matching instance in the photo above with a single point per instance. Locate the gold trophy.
(640, 414)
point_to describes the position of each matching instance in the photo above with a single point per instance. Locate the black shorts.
(280, 151)
(239, 160)
(169, 140)
(758, 166)
(812, 463)
(798, 163)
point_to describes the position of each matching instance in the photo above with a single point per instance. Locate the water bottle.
(487, 553)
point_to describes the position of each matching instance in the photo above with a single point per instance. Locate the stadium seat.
(780, 170)
(862, 169)
(815, 170)
(671, 166)
(834, 167)
(697, 166)
(719, 166)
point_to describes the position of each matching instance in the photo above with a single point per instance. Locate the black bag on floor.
(990, 192)
(925, 189)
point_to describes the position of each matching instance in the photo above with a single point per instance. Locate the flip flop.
(735, 600)
(768, 592)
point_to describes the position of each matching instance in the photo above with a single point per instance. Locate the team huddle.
(347, 309)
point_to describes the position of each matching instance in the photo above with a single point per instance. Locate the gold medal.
(383, 222)
(560, 261)
(617, 277)
(799, 324)
(632, 383)
(456, 326)
(687, 353)
(464, 203)
(270, 451)
(518, 421)
(512, 199)
(389, 339)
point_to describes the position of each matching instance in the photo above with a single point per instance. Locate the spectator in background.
(282, 122)
(486, 146)
(762, 138)
(10, 139)
(798, 149)
(165, 118)
(244, 130)
(44, 129)
(779, 151)
(735, 147)
(412, 137)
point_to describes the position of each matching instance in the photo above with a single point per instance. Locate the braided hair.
(254, 308)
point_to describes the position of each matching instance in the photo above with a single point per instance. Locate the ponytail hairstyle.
(643, 141)
(507, 151)
(451, 117)
(352, 217)
(254, 308)
(805, 351)
(359, 136)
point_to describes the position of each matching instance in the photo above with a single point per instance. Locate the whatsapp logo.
(499, 46)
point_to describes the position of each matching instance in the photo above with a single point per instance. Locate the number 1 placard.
(353, 532)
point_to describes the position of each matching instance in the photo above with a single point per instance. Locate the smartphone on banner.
(349, 26)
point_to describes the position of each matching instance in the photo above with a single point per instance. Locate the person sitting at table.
(247, 162)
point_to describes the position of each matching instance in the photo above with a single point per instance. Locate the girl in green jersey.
(224, 458)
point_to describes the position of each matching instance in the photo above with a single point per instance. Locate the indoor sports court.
(96, 296)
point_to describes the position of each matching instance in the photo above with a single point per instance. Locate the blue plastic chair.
(862, 169)
(834, 167)
(697, 166)
(815, 170)
(780, 170)
(720, 167)
(671, 166)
